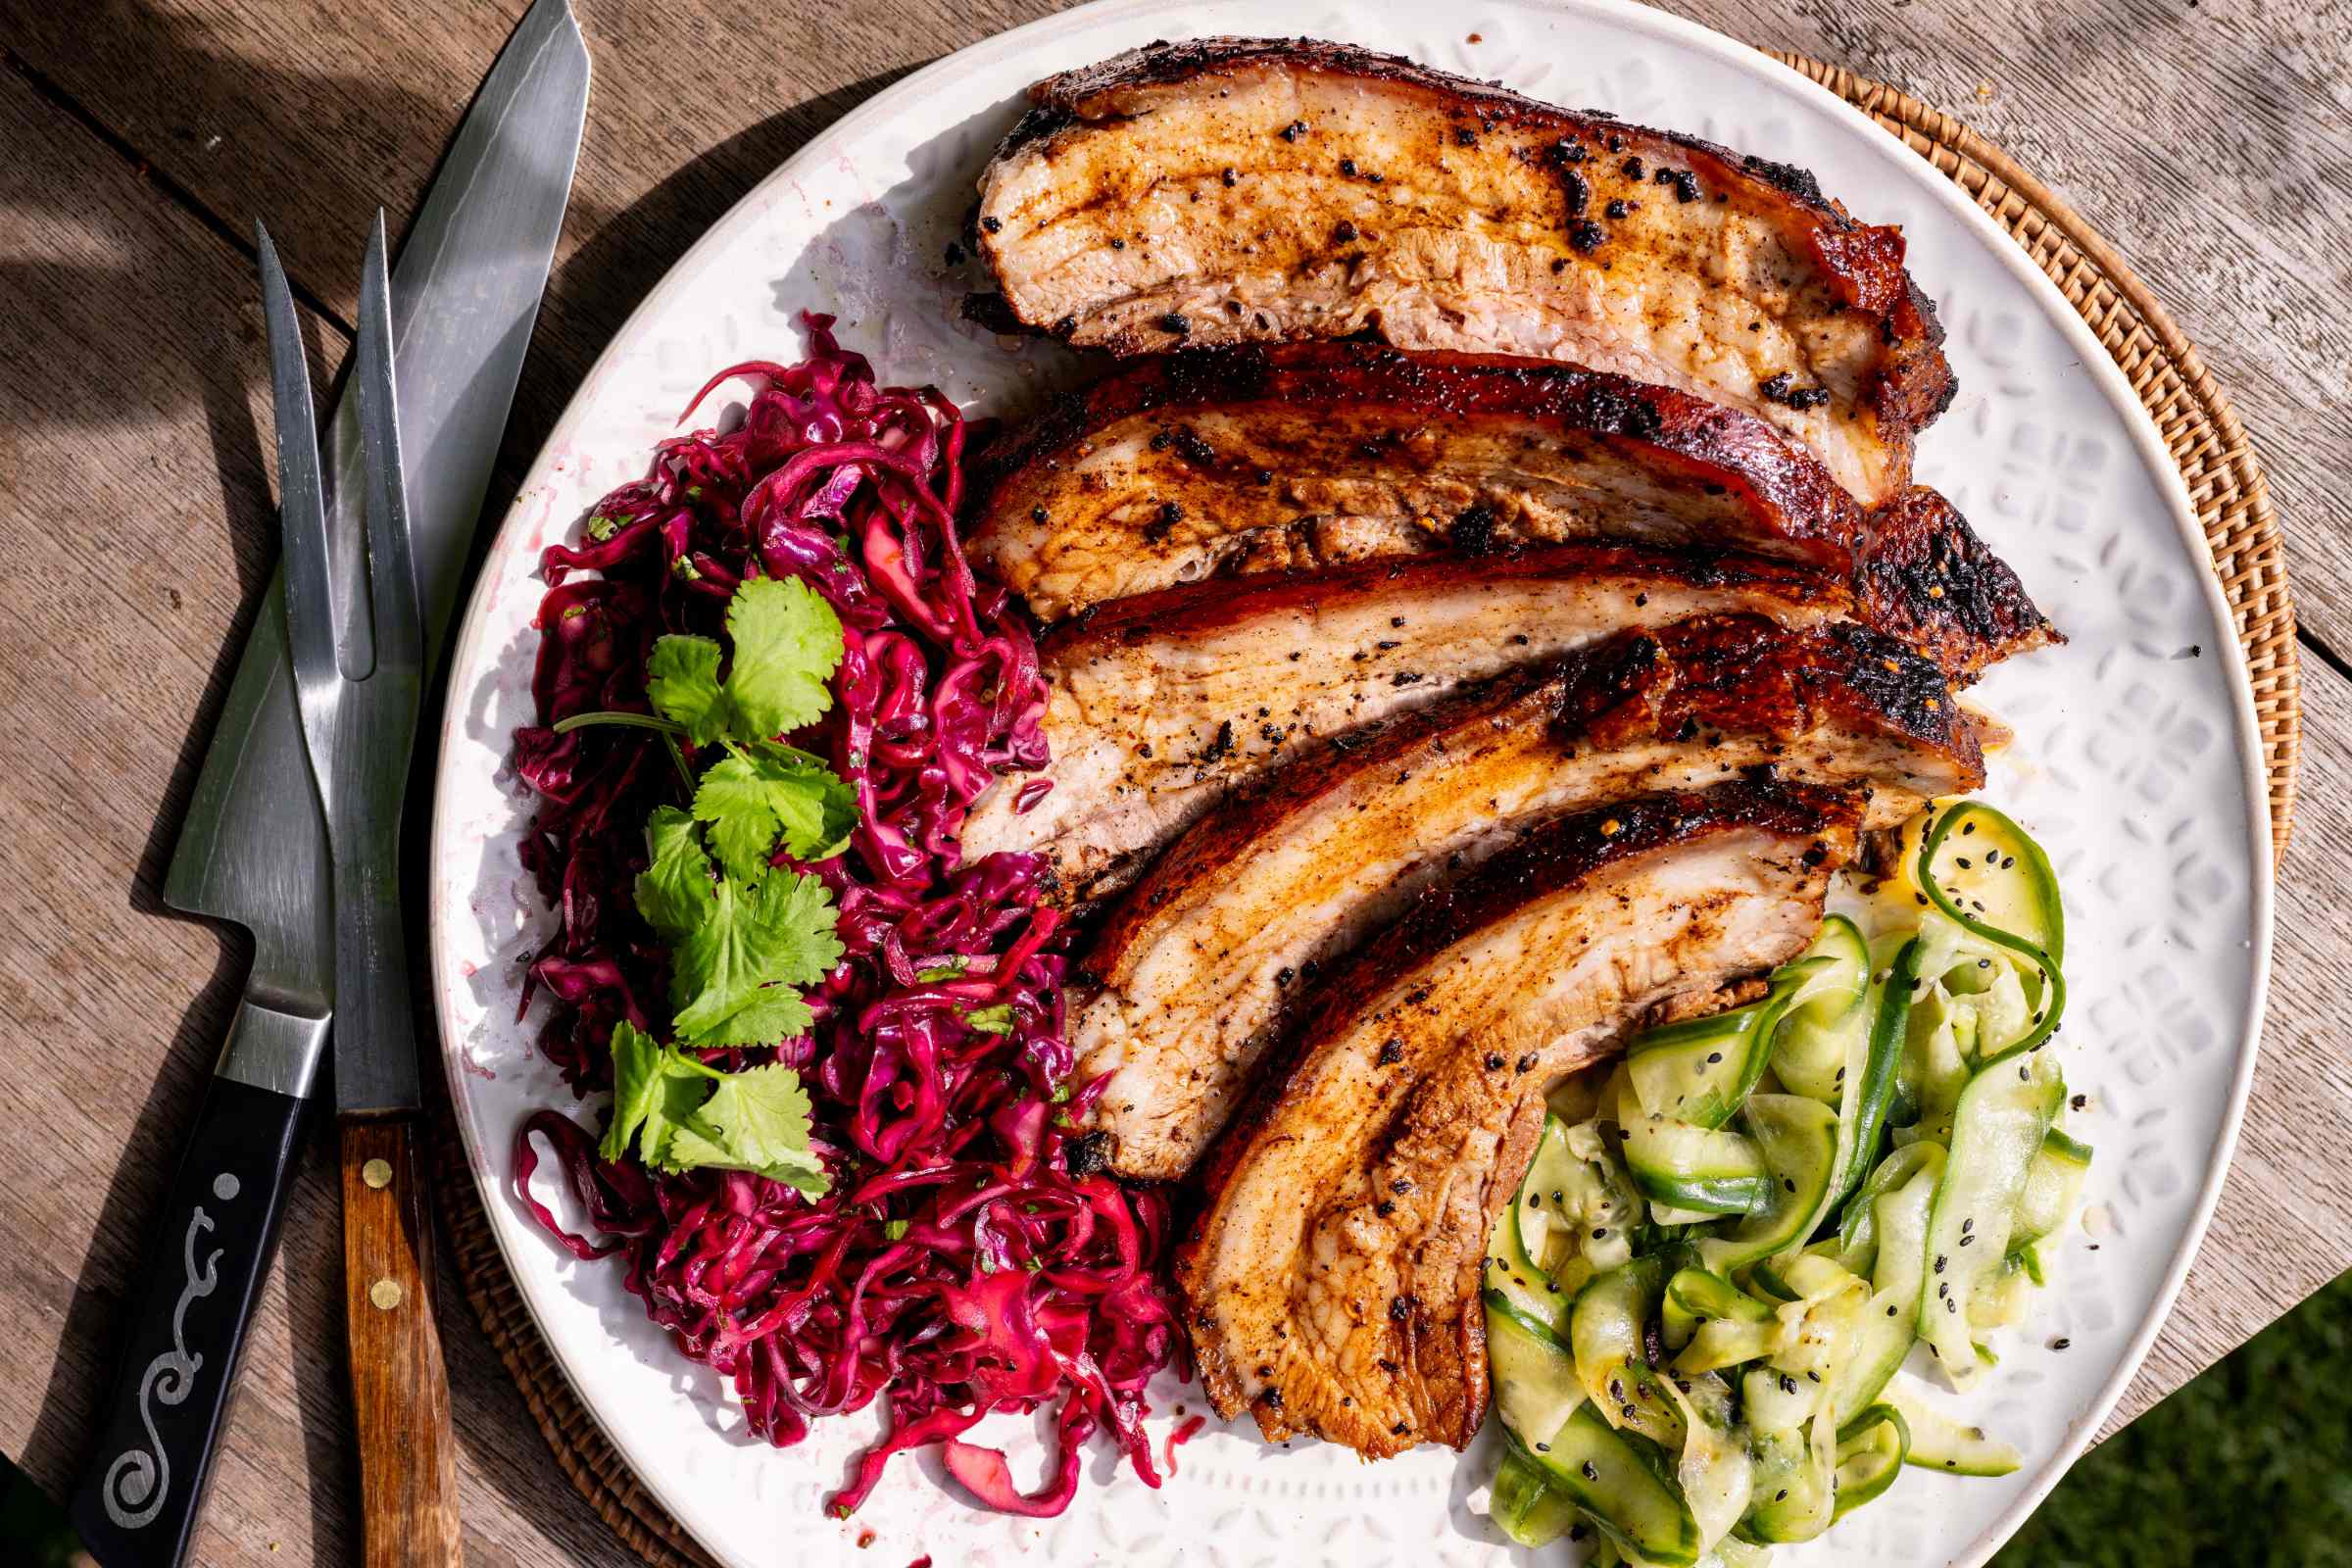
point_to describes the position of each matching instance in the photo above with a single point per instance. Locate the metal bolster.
(275, 1050)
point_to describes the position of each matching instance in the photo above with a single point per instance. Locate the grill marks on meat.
(1228, 190)
(1162, 704)
(1197, 968)
(1333, 1279)
(1186, 466)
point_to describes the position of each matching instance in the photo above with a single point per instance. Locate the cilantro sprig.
(745, 934)
(787, 645)
(682, 1114)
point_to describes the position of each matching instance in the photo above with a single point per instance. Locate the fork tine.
(301, 495)
(392, 573)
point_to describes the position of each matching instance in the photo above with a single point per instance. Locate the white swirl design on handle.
(140, 1479)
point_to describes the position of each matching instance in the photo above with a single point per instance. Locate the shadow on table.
(114, 1265)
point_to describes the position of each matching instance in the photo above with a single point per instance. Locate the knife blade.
(252, 850)
(465, 294)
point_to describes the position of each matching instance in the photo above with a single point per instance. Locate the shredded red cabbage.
(968, 1258)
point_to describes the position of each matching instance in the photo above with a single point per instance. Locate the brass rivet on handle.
(385, 1293)
(376, 1173)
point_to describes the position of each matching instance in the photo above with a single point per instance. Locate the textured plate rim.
(1673, 34)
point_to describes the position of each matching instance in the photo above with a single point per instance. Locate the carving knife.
(253, 850)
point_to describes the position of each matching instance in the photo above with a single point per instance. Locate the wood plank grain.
(133, 478)
(2212, 142)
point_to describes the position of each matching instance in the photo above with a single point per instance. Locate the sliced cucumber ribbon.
(2022, 885)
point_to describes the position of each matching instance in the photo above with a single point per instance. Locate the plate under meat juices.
(1430, 856)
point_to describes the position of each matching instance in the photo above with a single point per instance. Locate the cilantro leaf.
(683, 1115)
(654, 1091)
(674, 892)
(682, 679)
(787, 645)
(750, 797)
(731, 976)
(755, 1120)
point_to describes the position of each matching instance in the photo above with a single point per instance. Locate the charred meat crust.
(1862, 264)
(1436, 1348)
(1204, 606)
(1385, 400)
(1929, 580)
(1742, 673)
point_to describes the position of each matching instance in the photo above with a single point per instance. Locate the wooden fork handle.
(399, 1383)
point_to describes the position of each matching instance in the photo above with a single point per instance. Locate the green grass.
(2250, 1466)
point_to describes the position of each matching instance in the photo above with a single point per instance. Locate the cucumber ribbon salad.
(1727, 1245)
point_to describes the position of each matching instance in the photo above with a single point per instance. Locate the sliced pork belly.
(1192, 975)
(1332, 1282)
(1189, 465)
(1229, 189)
(1927, 579)
(1162, 704)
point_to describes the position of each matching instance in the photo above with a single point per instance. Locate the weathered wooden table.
(2211, 141)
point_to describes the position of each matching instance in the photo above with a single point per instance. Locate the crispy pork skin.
(1191, 976)
(1331, 1281)
(1229, 189)
(1217, 460)
(1927, 578)
(1162, 704)
(1240, 461)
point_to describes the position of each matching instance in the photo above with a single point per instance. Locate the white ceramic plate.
(2136, 764)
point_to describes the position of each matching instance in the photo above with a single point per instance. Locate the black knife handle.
(136, 1504)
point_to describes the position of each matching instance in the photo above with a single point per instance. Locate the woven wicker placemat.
(2224, 483)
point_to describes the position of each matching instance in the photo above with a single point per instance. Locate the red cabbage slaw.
(970, 1256)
